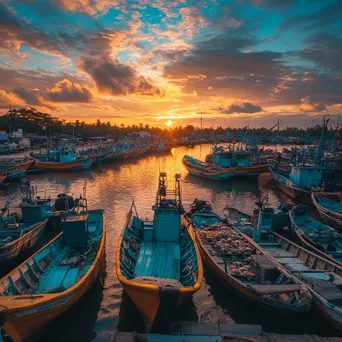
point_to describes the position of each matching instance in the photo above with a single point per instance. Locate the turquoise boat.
(56, 277)
(317, 236)
(329, 210)
(157, 262)
(206, 170)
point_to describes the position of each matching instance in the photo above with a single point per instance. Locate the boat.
(15, 168)
(19, 235)
(329, 210)
(243, 162)
(244, 268)
(316, 236)
(63, 159)
(157, 262)
(2, 181)
(301, 182)
(321, 276)
(98, 155)
(56, 277)
(206, 170)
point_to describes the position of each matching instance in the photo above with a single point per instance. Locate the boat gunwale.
(36, 226)
(41, 298)
(301, 235)
(324, 209)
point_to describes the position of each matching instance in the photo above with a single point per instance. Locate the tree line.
(35, 122)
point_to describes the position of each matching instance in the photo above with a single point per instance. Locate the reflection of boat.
(61, 160)
(206, 170)
(317, 236)
(56, 277)
(329, 210)
(242, 266)
(308, 176)
(321, 276)
(157, 262)
(14, 169)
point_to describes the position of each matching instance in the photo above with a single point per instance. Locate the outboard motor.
(286, 207)
(300, 209)
(64, 202)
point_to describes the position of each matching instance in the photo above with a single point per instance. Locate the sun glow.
(168, 123)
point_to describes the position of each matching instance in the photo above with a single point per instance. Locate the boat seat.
(326, 289)
(161, 260)
(52, 280)
(274, 289)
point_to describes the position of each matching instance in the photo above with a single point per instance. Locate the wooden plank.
(280, 253)
(273, 289)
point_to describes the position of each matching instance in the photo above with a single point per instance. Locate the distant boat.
(317, 236)
(243, 268)
(56, 277)
(308, 176)
(61, 160)
(15, 168)
(205, 170)
(330, 210)
(157, 262)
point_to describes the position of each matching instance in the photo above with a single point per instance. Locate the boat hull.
(73, 166)
(37, 311)
(251, 171)
(15, 172)
(11, 250)
(327, 215)
(210, 176)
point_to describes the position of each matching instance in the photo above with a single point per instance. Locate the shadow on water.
(208, 184)
(243, 312)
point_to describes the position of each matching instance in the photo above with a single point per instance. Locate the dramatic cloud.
(245, 107)
(66, 91)
(31, 97)
(307, 105)
(113, 77)
(89, 6)
(8, 100)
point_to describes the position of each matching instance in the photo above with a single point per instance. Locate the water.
(106, 309)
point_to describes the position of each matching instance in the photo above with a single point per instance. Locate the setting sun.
(168, 123)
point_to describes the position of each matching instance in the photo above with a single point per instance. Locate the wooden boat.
(329, 210)
(279, 166)
(317, 236)
(61, 160)
(157, 262)
(14, 169)
(206, 170)
(321, 276)
(289, 188)
(2, 181)
(55, 278)
(244, 268)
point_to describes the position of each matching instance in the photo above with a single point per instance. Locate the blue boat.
(157, 262)
(206, 170)
(329, 210)
(317, 236)
(19, 235)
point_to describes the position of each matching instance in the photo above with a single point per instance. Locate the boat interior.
(329, 204)
(63, 262)
(239, 258)
(323, 276)
(154, 252)
(13, 231)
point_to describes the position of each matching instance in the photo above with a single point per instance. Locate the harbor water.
(112, 187)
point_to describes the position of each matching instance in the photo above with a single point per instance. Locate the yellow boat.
(55, 278)
(158, 262)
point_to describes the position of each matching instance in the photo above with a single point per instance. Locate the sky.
(233, 63)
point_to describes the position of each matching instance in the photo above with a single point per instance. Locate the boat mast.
(320, 148)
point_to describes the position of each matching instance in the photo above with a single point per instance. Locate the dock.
(208, 332)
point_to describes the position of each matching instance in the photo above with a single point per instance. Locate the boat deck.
(158, 259)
